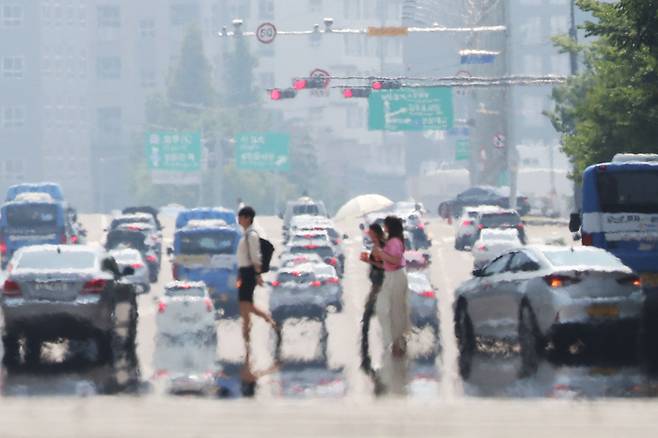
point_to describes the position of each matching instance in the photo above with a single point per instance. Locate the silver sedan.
(549, 296)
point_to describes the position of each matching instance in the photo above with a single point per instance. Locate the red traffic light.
(299, 84)
(278, 94)
(356, 92)
(386, 84)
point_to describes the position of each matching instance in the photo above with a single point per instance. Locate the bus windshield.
(31, 215)
(628, 192)
(211, 242)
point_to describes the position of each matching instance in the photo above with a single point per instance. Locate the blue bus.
(205, 250)
(204, 213)
(620, 212)
(31, 220)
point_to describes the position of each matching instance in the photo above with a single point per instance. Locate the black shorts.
(247, 284)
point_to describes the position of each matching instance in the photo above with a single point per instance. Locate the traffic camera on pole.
(386, 84)
(349, 93)
(278, 94)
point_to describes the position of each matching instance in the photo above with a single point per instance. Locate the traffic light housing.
(386, 84)
(309, 83)
(286, 93)
(349, 93)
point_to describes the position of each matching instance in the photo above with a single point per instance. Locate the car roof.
(134, 216)
(99, 251)
(302, 267)
(185, 285)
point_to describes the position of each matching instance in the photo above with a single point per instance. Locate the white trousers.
(392, 308)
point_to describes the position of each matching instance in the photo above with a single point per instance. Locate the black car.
(482, 195)
(146, 210)
(135, 239)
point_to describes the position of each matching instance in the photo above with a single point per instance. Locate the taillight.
(151, 258)
(481, 226)
(162, 306)
(74, 239)
(428, 294)
(629, 280)
(482, 248)
(467, 223)
(209, 305)
(587, 239)
(332, 261)
(174, 271)
(311, 247)
(11, 288)
(520, 226)
(137, 266)
(94, 286)
(557, 281)
(332, 280)
(276, 283)
(63, 240)
(3, 248)
(316, 283)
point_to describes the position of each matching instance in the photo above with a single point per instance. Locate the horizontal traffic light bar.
(286, 93)
(309, 83)
(350, 92)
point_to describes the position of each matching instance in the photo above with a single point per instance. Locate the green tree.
(191, 81)
(613, 105)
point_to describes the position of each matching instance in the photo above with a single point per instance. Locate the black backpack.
(266, 252)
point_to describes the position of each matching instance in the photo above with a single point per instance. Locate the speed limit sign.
(266, 33)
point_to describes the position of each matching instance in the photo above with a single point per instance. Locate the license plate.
(50, 287)
(603, 311)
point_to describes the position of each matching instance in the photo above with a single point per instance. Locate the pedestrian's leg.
(383, 311)
(365, 327)
(400, 312)
(262, 314)
(245, 314)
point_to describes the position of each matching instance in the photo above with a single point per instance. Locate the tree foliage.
(612, 106)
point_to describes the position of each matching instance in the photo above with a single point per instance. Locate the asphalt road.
(307, 394)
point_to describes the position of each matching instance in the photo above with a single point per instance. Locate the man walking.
(249, 274)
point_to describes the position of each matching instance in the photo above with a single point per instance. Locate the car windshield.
(185, 292)
(295, 277)
(212, 242)
(491, 220)
(323, 251)
(417, 283)
(311, 209)
(569, 257)
(31, 215)
(53, 260)
(628, 192)
(126, 239)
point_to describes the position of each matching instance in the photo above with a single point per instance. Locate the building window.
(532, 64)
(109, 17)
(12, 67)
(108, 67)
(109, 121)
(147, 28)
(559, 25)
(531, 31)
(148, 79)
(266, 9)
(13, 117)
(184, 14)
(12, 15)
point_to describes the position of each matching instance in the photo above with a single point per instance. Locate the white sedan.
(492, 243)
(541, 296)
(131, 257)
(185, 309)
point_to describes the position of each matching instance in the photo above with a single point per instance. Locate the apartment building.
(74, 76)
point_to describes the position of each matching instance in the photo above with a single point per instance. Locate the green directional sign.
(462, 150)
(411, 109)
(173, 151)
(263, 151)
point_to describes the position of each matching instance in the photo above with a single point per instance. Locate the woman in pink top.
(392, 309)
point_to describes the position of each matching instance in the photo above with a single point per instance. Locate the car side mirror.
(362, 227)
(127, 271)
(575, 222)
(478, 273)
(345, 236)
(170, 251)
